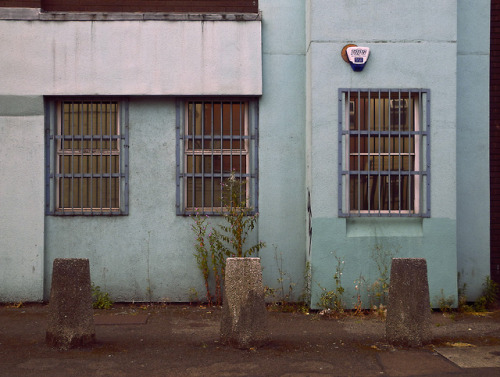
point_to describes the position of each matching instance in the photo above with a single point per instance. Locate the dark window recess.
(164, 6)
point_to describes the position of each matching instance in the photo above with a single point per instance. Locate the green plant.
(380, 311)
(200, 229)
(240, 219)
(488, 297)
(100, 300)
(284, 294)
(490, 292)
(380, 288)
(305, 296)
(224, 240)
(358, 284)
(480, 304)
(333, 300)
(282, 297)
(463, 307)
(445, 303)
(193, 295)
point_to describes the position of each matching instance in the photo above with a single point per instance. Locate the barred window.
(86, 156)
(384, 153)
(216, 139)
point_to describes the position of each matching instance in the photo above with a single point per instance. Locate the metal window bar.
(405, 185)
(233, 151)
(71, 126)
(379, 137)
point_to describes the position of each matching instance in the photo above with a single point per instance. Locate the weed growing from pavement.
(224, 240)
(379, 290)
(100, 300)
(488, 297)
(332, 301)
(282, 298)
(305, 296)
(358, 285)
(463, 306)
(445, 303)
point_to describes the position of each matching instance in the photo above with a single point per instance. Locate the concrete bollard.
(408, 321)
(244, 315)
(71, 317)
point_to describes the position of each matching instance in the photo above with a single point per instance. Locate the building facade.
(119, 121)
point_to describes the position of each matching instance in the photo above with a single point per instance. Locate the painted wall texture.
(290, 57)
(149, 254)
(282, 144)
(473, 194)
(21, 201)
(413, 45)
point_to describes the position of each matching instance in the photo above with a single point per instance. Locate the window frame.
(249, 153)
(418, 175)
(55, 152)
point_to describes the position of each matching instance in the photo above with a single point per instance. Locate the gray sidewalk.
(183, 340)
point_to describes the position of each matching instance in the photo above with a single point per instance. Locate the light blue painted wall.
(21, 198)
(149, 253)
(413, 45)
(473, 196)
(282, 143)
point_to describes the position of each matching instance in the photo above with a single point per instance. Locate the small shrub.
(490, 292)
(358, 306)
(215, 243)
(100, 300)
(379, 311)
(445, 303)
(193, 295)
(305, 296)
(379, 290)
(333, 300)
(488, 297)
(480, 304)
(463, 307)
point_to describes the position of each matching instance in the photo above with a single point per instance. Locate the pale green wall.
(21, 198)
(151, 250)
(413, 45)
(149, 254)
(282, 142)
(473, 194)
(432, 240)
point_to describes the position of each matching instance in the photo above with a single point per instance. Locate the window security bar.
(87, 157)
(384, 152)
(215, 138)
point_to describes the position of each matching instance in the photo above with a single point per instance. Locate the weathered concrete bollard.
(71, 318)
(244, 315)
(408, 320)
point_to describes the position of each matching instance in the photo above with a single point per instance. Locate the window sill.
(384, 227)
(35, 14)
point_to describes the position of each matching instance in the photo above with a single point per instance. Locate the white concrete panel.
(131, 57)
